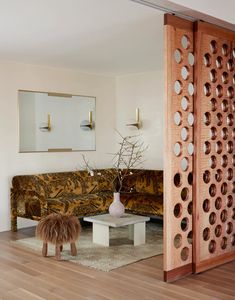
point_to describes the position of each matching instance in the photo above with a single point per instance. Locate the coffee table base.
(137, 233)
(100, 234)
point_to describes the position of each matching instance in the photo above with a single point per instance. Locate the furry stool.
(59, 229)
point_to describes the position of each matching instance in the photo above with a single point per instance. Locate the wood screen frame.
(174, 267)
(199, 263)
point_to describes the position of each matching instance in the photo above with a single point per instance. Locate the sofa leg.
(44, 249)
(73, 249)
(13, 212)
(13, 223)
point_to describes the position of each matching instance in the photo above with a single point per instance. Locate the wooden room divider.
(199, 205)
(214, 170)
(178, 160)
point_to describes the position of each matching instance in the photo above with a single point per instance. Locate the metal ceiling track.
(164, 9)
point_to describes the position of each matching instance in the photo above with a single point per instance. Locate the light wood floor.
(26, 275)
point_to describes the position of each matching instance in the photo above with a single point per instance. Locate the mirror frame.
(69, 95)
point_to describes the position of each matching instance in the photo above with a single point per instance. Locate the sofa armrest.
(21, 198)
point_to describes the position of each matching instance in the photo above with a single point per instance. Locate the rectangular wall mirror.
(56, 122)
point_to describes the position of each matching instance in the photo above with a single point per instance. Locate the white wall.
(143, 91)
(15, 76)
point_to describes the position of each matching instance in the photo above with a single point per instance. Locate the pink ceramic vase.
(116, 209)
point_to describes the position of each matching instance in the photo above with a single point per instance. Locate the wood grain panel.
(178, 156)
(214, 167)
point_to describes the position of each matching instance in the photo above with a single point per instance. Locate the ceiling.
(109, 37)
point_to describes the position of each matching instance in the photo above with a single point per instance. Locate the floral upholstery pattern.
(80, 194)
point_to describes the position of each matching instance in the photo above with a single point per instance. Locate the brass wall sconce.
(46, 126)
(88, 125)
(137, 122)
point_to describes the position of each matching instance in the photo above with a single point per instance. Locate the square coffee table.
(101, 224)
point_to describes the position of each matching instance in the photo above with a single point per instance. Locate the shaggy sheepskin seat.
(59, 229)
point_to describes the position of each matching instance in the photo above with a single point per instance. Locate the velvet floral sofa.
(80, 194)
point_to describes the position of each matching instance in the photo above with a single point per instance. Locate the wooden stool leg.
(57, 252)
(73, 249)
(44, 249)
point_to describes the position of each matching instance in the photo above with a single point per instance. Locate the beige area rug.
(120, 253)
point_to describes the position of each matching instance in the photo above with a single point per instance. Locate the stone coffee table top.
(126, 219)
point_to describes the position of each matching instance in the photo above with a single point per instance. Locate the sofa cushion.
(145, 181)
(81, 205)
(52, 185)
(143, 203)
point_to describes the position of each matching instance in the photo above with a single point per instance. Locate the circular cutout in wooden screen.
(207, 89)
(184, 133)
(178, 241)
(190, 237)
(225, 49)
(191, 59)
(185, 194)
(223, 243)
(229, 147)
(207, 147)
(184, 103)
(229, 201)
(185, 253)
(218, 230)
(185, 72)
(218, 175)
(207, 60)
(230, 174)
(213, 103)
(178, 56)
(206, 205)
(207, 176)
(213, 75)
(206, 234)
(184, 164)
(218, 203)
(190, 178)
(233, 240)
(185, 42)
(230, 65)
(178, 87)
(178, 118)
(177, 180)
(178, 210)
(190, 119)
(212, 246)
(190, 88)
(190, 149)
(218, 147)
(230, 120)
(225, 77)
(229, 228)
(219, 62)
(213, 46)
(177, 149)
(190, 208)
